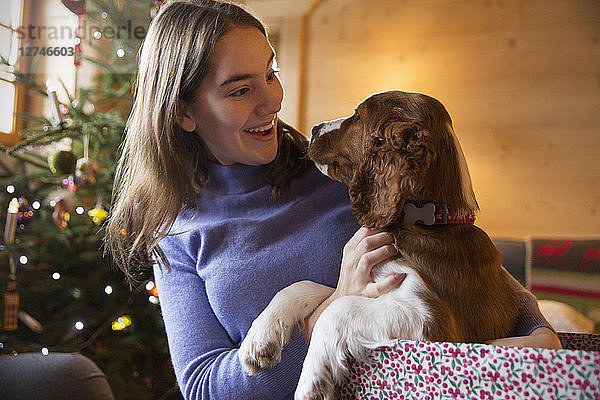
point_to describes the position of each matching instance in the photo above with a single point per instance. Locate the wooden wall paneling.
(521, 80)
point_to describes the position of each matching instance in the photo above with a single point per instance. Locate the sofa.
(56, 376)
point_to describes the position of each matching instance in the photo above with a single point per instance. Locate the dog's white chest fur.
(408, 295)
(412, 285)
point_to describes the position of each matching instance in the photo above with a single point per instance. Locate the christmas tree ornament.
(25, 214)
(57, 113)
(11, 296)
(121, 323)
(58, 109)
(62, 162)
(88, 108)
(12, 215)
(98, 214)
(60, 215)
(78, 8)
(86, 170)
(75, 6)
(11, 305)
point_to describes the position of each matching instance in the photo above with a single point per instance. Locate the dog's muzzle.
(324, 127)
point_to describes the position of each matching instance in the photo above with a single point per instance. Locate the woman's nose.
(271, 99)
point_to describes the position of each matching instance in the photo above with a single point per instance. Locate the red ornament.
(75, 6)
(78, 52)
(60, 215)
(78, 8)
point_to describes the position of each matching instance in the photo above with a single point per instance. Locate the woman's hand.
(367, 248)
(541, 337)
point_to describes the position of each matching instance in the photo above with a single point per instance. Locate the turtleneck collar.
(233, 179)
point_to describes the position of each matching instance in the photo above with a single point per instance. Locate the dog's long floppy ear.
(396, 159)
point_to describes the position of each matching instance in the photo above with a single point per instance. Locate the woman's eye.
(272, 75)
(239, 92)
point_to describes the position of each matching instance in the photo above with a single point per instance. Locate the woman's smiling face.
(236, 105)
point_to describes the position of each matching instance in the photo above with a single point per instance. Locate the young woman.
(215, 191)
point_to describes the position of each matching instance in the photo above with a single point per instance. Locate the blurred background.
(521, 80)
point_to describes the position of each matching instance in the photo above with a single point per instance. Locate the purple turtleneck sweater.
(231, 255)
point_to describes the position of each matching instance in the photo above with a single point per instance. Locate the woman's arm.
(367, 248)
(532, 329)
(204, 357)
(542, 337)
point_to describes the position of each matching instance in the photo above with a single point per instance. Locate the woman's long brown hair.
(161, 169)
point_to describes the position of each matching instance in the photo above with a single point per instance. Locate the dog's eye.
(355, 116)
(378, 141)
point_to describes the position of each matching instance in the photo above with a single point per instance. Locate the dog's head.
(397, 147)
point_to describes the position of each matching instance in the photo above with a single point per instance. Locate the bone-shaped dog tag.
(425, 214)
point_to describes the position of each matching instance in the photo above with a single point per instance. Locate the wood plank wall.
(521, 80)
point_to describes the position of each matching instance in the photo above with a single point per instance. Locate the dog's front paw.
(315, 385)
(256, 355)
(262, 345)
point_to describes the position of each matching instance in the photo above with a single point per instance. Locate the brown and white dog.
(406, 174)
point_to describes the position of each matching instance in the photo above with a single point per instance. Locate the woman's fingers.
(374, 241)
(367, 248)
(374, 257)
(376, 289)
(359, 236)
(364, 241)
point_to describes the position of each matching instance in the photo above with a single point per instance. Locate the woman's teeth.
(261, 130)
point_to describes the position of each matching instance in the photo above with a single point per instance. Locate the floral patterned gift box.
(428, 370)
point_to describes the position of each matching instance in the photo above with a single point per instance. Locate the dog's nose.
(315, 131)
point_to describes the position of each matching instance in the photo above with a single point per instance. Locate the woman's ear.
(185, 119)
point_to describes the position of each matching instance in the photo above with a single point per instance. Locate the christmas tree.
(62, 294)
